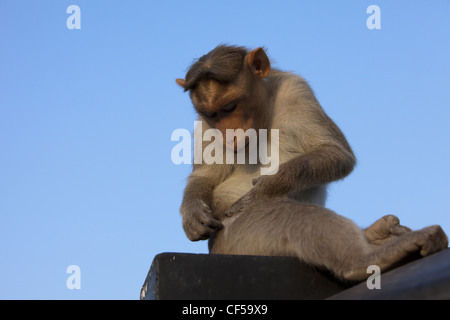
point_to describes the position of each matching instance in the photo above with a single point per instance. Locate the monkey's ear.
(181, 82)
(258, 62)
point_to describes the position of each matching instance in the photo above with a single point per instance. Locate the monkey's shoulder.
(294, 95)
(287, 80)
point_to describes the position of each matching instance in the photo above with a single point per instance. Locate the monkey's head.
(227, 89)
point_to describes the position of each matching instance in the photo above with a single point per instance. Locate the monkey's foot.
(428, 240)
(425, 242)
(384, 229)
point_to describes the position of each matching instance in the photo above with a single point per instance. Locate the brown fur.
(284, 213)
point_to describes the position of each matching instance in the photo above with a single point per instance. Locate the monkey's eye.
(210, 115)
(230, 107)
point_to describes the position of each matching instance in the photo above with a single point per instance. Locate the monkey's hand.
(258, 191)
(198, 220)
(261, 189)
(385, 229)
(241, 203)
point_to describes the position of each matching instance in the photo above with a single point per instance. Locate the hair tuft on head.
(223, 64)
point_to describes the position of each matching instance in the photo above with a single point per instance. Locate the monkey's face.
(224, 106)
(232, 101)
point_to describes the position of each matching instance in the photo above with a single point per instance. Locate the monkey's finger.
(207, 230)
(195, 230)
(204, 228)
(207, 219)
(198, 232)
(206, 233)
(231, 211)
(238, 206)
(399, 230)
(256, 180)
(213, 224)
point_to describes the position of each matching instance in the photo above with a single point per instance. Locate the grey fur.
(284, 214)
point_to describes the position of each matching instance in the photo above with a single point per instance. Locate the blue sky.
(86, 118)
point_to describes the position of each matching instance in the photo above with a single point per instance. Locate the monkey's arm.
(198, 220)
(323, 153)
(323, 164)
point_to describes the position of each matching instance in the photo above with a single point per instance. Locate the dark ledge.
(423, 279)
(176, 276)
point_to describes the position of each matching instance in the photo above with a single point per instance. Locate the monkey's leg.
(285, 227)
(318, 236)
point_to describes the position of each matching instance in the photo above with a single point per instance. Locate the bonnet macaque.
(282, 213)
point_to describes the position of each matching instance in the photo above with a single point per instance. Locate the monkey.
(242, 211)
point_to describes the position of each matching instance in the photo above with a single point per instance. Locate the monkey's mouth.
(237, 145)
(242, 149)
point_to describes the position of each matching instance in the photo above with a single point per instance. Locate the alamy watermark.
(236, 141)
(74, 280)
(374, 20)
(74, 20)
(374, 281)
